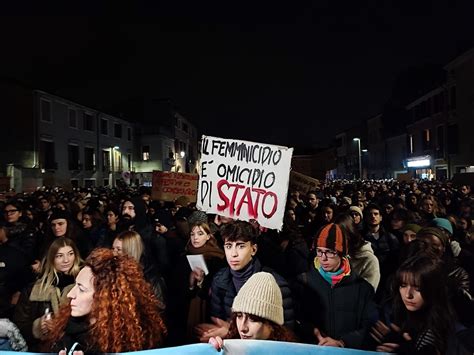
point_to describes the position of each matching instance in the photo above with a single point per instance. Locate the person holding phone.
(38, 303)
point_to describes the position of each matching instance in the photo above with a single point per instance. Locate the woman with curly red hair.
(112, 310)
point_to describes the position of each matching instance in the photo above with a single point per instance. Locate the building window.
(180, 146)
(105, 160)
(411, 144)
(72, 118)
(47, 156)
(185, 127)
(88, 122)
(129, 134)
(146, 152)
(129, 162)
(117, 130)
(118, 160)
(45, 111)
(73, 157)
(106, 182)
(426, 139)
(104, 126)
(89, 159)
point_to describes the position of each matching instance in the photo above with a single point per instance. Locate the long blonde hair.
(132, 244)
(49, 275)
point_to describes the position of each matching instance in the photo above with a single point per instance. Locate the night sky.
(287, 75)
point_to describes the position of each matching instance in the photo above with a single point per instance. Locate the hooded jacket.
(365, 263)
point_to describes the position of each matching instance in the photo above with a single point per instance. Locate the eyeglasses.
(330, 254)
(10, 211)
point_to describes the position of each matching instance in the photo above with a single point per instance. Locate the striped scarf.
(333, 278)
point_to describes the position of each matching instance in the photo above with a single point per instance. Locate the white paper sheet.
(197, 261)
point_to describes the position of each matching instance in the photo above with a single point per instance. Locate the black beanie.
(59, 214)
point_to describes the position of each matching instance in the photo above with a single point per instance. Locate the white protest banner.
(244, 180)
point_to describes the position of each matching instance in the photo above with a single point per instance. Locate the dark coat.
(223, 293)
(22, 237)
(342, 312)
(77, 331)
(15, 274)
(31, 307)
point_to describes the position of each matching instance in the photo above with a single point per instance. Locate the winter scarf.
(209, 250)
(333, 278)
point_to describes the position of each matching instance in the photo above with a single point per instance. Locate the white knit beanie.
(261, 297)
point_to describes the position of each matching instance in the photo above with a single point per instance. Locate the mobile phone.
(47, 313)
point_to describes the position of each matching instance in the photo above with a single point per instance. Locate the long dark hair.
(279, 332)
(436, 314)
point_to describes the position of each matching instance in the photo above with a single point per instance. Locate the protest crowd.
(373, 265)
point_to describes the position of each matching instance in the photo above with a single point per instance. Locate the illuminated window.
(146, 152)
(426, 139)
(410, 138)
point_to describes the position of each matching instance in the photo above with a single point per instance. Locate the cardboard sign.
(168, 186)
(302, 183)
(244, 180)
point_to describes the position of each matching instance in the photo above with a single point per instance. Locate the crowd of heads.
(114, 258)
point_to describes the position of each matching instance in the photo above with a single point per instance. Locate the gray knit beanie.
(197, 217)
(261, 297)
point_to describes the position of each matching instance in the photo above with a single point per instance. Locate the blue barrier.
(243, 347)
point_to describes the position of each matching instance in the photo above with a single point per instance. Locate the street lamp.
(360, 160)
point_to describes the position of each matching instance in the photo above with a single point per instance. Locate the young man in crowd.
(385, 245)
(240, 246)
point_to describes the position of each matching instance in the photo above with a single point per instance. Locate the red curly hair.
(124, 307)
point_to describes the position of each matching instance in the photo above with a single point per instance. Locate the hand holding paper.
(197, 261)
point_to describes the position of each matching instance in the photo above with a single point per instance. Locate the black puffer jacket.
(342, 312)
(223, 293)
